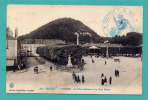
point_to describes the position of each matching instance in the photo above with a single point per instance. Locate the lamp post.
(77, 37)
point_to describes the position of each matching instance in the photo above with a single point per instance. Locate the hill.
(64, 29)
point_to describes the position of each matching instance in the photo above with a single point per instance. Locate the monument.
(69, 62)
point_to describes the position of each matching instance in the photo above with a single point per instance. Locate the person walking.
(105, 80)
(110, 80)
(83, 79)
(115, 73)
(102, 81)
(118, 73)
(75, 78)
(73, 75)
(102, 75)
(93, 61)
(36, 70)
(19, 66)
(105, 62)
(78, 79)
(51, 68)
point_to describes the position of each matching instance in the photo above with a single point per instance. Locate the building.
(103, 49)
(11, 49)
(93, 50)
(28, 47)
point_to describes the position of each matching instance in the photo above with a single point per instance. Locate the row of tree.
(131, 38)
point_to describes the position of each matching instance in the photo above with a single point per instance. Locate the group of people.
(20, 67)
(77, 78)
(104, 80)
(36, 69)
(93, 61)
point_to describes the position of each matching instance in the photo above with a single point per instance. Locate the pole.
(77, 38)
(107, 55)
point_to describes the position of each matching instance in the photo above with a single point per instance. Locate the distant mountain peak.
(64, 29)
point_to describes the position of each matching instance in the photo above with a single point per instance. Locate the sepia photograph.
(74, 49)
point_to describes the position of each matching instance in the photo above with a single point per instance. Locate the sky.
(27, 18)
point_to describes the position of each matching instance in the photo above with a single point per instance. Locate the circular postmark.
(116, 21)
(11, 85)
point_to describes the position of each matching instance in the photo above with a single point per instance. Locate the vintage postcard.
(74, 49)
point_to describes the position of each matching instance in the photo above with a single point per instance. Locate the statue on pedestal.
(69, 61)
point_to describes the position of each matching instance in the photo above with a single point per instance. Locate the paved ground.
(55, 81)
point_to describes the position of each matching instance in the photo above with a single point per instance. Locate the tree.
(133, 38)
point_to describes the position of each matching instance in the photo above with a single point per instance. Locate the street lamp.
(77, 37)
(107, 54)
